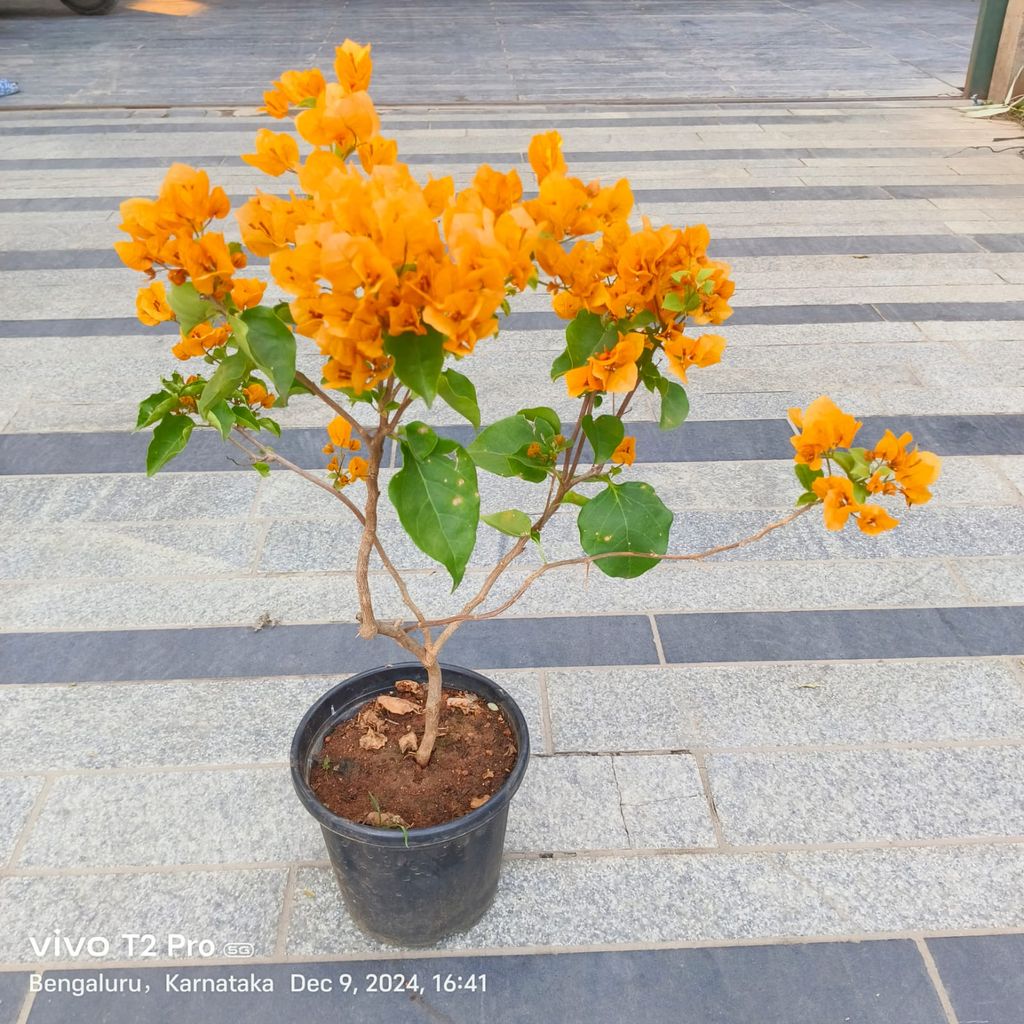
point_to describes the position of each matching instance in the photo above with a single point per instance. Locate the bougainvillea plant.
(396, 283)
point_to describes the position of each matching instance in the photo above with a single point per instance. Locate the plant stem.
(432, 710)
(315, 389)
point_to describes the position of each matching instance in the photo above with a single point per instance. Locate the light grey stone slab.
(209, 816)
(220, 906)
(768, 705)
(566, 803)
(17, 797)
(566, 902)
(662, 801)
(120, 497)
(1012, 466)
(859, 796)
(993, 580)
(125, 550)
(195, 723)
(953, 888)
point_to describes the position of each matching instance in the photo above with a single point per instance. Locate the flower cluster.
(339, 430)
(892, 467)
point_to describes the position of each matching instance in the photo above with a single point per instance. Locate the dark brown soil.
(363, 774)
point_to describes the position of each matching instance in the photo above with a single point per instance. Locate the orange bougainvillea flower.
(498, 192)
(358, 468)
(152, 306)
(625, 454)
(873, 519)
(915, 470)
(339, 430)
(836, 493)
(257, 394)
(545, 155)
(353, 66)
(247, 292)
(824, 427)
(275, 153)
(612, 371)
(376, 152)
(684, 352)
(275, 103)
(339, 119)
(207, 261)
(200, 340)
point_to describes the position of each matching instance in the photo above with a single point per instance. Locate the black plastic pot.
(445, 878)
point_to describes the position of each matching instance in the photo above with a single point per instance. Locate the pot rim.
(431, 834)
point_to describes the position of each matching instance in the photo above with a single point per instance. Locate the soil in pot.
(367, 770)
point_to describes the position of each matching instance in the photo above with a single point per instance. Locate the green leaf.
(418, 361)
(807, 498)
(675, 406)
(860, 493)
(585, 335)
(266, 423)
(420, 438)
(844, 460)
(190, 308)
(283, 311)
(169, 438)
(806, 475)
(542, 414)
(511, 521)
(224, 382)
(604, 434)
(575, 498)
(625, 517)
(458, 391)
(221, 416)
(496, 448)
(245, 416)
(272, 345)
(642, 319)
(154, 408)
(262, 468)
(438, 504)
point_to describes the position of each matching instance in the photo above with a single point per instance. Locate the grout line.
(30, 822)
(26, 1006)
(528, 949)
(548, 731)
(709, 799)
(657, 639)
(932, 969)
(285, 918)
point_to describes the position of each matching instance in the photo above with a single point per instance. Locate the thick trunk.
(432, 715)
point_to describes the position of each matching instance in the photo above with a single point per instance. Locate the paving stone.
(13, 989)
(17, 798)
(566, 803)
(152, 818)
(996, 580)
(663, 802)
(980, 976)
(189, 724)
(796, 704)
(858, 796)
(220, 906)
(125, 550)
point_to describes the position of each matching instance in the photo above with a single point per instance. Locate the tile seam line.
(11, 967)
(932, 970)
(609, 854)
(628, 102)
(767, 750)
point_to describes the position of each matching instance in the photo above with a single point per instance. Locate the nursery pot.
(413, 888)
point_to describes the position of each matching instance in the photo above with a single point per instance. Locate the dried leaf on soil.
(467, 705)
(488, 774)
(408, 742)
(397, 705)
(384, 819)
(478, 801)
(409, 686)
(372, 740)
(369, 719)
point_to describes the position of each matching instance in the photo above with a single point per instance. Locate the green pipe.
(986, 43)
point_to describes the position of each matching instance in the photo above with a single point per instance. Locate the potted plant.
(409, 769)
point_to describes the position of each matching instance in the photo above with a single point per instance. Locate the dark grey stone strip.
(233, 652)
(879, 982)
(728, 248)
(13, 989)
(810, 313)
(821, 635)
(695, 441)
(982, 976)
(964, 191)
(1001, 243)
